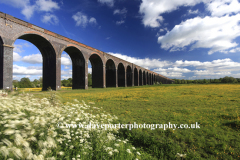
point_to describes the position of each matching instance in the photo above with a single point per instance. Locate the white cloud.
(33, 59)
(219, 65)
(47, 5)
(28, 9)
(68, 72)
(235, 50)
(146, 62)
(172, 72)
(193, 12)
(21, 70)
(211, 73)
(93, 20)
(82, 20)
(120, 22)
(152, 9)
(66, 67)
(222, 7)
(121, 12)
(209, 32)
(50, 19)
(16, 57)
(110, 3)
(66, 61)
(18, 48)
(90, 70)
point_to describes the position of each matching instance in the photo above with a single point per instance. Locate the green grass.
(214, 106)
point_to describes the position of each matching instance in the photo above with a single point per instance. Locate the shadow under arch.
(129, 76)
(121, 75)
(97, 71)
(150, 78)
(147, 78)
(48, 55)
(1, 63)
(154, 79)
(140, 78)
(78, 67)
(135, 77)
(110, 73)
(144, 78)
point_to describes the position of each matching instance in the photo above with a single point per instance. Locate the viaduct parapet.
(107, 70)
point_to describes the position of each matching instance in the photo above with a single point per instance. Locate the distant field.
(215, 107)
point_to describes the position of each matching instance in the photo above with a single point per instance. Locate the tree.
(25, 83)
(15, 83)
(227, 79)
(65, 83)
(89, 79)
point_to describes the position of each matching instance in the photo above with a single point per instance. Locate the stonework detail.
(116, 73)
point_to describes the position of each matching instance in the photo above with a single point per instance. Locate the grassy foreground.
(215, 107)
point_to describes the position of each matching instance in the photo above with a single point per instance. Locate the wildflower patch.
(28, 131)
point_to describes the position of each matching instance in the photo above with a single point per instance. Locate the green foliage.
(204, 81)
(229, 80)
(89, 79)
(25, 83)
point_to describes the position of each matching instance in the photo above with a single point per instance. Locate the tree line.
(225, 79)
(37, 83)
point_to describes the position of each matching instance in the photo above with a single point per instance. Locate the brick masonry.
(51, 46)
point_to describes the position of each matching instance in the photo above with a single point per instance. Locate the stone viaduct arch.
(107, 70)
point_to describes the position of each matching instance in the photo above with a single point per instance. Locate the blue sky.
(193, 39)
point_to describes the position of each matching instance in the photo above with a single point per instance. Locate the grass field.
(214, 106)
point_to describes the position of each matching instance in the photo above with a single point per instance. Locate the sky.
(179, 39)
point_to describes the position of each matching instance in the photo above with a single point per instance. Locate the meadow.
(214, 106)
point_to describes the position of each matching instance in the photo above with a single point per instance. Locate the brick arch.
(48, 52)
(121, 75)
(136, 80)
(144, 77)
(97, 71)
(140, 77)
(129, 75)
(110, 73)
(78, 65)
(75, 46)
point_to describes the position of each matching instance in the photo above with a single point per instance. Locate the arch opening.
(97, 71)
(121, 75)
(135, 77)
(150, 79)
(140, 78)
(78, 67)
(1, 63)
(147, 79)
(48, 59)
(144, 78)
(129, 76)
(110, 74)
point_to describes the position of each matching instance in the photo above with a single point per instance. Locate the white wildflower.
(9, 131)
(7, 142)
(4, 151)
(129, 151)
(61, 153)
(110, 153)
(138, 153)
(115, 150)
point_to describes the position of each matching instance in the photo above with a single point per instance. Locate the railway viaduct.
(107, 70)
